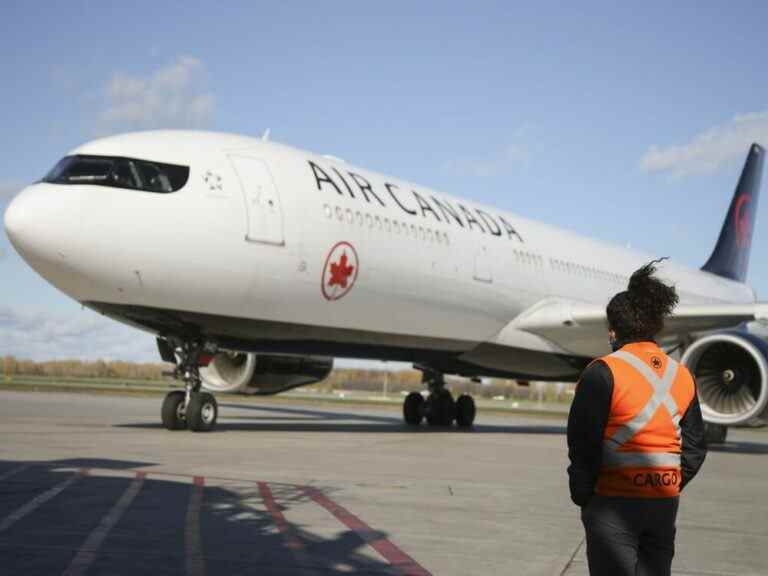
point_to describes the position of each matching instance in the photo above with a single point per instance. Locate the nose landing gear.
(189, 408)
(439, 409)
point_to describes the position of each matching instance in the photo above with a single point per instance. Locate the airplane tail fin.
(730, 258)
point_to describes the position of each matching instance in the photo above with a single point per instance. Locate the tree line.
(373, 381)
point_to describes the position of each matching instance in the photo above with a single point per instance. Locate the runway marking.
(88, 551)
(292, 541)
(13, 472)
(195, 563)
(391, 553)
(40, 499)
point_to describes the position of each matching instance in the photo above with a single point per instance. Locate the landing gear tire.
(715, 433)
(440, 409)
(191, 408)
(172, 412)
(202, 412)
(413, 409)
(465, 411)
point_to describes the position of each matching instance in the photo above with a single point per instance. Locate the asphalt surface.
(93, 485)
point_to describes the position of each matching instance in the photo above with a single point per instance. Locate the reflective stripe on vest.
(612, 456)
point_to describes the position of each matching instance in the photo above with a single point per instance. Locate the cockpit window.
(119, 173)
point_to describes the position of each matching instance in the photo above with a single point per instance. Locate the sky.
(628, 122)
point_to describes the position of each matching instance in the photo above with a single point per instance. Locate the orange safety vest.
(641, 442)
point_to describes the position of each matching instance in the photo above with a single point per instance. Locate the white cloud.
(87, 336)
(709, 149)
(170, 97)
(516, 154)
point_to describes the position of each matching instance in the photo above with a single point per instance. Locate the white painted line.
(88, 551)
(13, 472)
(193, 547)
(39, 500)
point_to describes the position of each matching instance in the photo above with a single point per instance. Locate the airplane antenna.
(265, 136)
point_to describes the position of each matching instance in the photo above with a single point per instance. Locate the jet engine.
(731, 372)
(262, 374)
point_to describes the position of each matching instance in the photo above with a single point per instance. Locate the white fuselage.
(249, 237)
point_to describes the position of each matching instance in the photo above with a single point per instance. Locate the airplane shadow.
(234, 532)
(287, 419)
(224, 426)
(324, 414)
(739, 448)
(308, 420)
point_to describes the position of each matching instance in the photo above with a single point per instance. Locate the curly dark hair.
(639, 312)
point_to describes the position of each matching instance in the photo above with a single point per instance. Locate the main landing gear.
(715, 433)
(439, 409)
(190, 408)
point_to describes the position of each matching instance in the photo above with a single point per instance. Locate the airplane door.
(483, 266)
(262, 200)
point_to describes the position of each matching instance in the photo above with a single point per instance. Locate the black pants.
(630, 536)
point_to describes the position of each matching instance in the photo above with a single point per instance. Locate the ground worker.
(635, 437)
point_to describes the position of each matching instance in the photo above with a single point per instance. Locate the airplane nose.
(14, 219)
(43, 224)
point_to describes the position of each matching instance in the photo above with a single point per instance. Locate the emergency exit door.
(264, 213)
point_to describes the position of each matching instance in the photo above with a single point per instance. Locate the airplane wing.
(581, 328)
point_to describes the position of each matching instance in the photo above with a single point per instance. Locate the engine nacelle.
(263, 374)
(731, 372)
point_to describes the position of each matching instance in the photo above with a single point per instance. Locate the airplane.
(255, 264)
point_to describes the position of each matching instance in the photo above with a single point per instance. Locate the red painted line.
(90, 548)
(391, 553)
(277, 515)
(193, 557)
(292, 541)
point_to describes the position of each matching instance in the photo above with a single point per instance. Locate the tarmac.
(91, 484)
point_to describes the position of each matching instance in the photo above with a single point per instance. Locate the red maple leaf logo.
(340, 272)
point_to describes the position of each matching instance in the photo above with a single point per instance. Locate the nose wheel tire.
(413, 409)
(172, 412)
(202, 412)
(465, 411)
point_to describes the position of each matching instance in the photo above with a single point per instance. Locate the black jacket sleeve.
(586, 426)
(694, 442)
